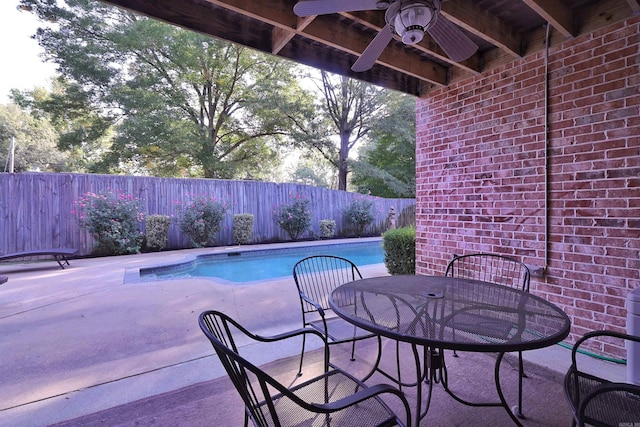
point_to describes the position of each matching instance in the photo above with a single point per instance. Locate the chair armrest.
(313, 303)
(277, 337)
(283, 336)
(289, 334)
(602, 333)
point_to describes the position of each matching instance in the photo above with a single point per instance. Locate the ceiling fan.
(407, 21)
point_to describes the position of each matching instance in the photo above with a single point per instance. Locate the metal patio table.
(436, 313)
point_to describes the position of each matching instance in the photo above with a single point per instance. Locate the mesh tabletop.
(451, 313)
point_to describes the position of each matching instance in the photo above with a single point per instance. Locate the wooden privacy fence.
(36, 208)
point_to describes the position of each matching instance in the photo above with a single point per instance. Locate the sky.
(20, 63)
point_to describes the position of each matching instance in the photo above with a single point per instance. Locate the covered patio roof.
(504, 30)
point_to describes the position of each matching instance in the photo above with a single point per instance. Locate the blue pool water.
(250, 266)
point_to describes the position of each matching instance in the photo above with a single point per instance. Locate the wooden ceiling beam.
(283, 36)
(556, 14)
(466, 14)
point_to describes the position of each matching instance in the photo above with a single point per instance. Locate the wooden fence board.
(36, 208)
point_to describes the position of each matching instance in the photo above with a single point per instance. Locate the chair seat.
(339, 330)
(338, 385)
(478, 324)
(610, 408)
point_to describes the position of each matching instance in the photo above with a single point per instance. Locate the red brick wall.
(481, 172)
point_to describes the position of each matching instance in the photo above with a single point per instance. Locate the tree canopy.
(181, 103)
(138, 96)
(34, 141)
(387, 163)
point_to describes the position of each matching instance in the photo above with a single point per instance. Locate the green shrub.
(157, 231)
(242, 228)
(113, 220)
(294, 218)
(327, 228)
(400, 250)
(358, 214)
(201, 219)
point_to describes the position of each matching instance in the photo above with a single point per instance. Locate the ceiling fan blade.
(324, 7)
(452, 40)
(373, 51)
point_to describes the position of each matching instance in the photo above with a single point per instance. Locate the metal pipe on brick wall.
(547, 216)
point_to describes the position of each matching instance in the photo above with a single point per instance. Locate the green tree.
(312, 170)
(349, 108)
(184, 103)
(387, 162)
(34, 141)
(82, 133)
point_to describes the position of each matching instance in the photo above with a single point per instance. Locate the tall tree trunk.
(343, 165)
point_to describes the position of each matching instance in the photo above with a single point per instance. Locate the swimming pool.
(244, 266)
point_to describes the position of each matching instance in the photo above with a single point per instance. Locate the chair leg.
(301, 355)
(521, 375)
(59, 260)
(455, 354)
(353, 350)
(398, 370)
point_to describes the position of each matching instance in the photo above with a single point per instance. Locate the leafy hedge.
(400, 250)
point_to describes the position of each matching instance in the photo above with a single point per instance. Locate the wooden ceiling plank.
(466, 14)
(276, 13)
(197, 16)
(555, 13)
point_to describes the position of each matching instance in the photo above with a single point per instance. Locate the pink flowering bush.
(358, 214)
(294, 218)
(201, 219)
(113, 220)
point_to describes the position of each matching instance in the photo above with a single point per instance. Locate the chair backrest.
(254, 385)
(491, 268)
(316, 276)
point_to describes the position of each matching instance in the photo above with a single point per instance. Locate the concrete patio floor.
(81, 347)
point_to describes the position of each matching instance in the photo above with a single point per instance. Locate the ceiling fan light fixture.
(410, 19)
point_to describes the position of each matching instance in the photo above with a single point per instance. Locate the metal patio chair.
(316, 277)
(595, 400)
(331, 398)
(499, 269)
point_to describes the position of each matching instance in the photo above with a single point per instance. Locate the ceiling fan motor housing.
(409, 19)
